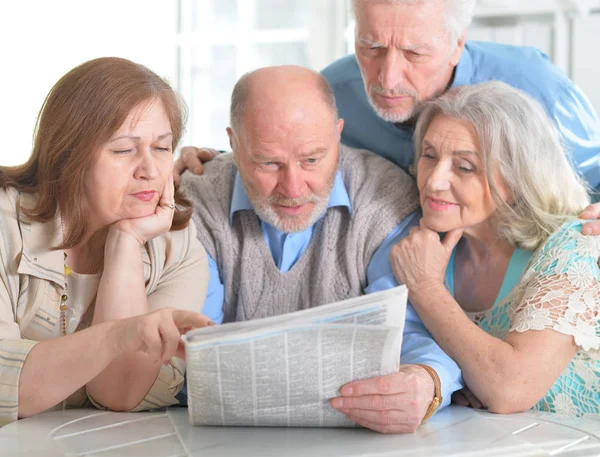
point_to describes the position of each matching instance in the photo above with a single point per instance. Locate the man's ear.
(339, 126)
(230, 135)
(458, 50)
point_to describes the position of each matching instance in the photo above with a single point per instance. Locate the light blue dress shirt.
(525, 68)
(418, 345)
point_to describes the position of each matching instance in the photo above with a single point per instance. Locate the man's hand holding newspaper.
(285, 370)
(393, 403)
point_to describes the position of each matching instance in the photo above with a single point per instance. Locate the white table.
(455, 431)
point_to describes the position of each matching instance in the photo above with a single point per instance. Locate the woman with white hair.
(511, 291)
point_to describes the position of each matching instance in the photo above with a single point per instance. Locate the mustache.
(395, 92)
(284, 201)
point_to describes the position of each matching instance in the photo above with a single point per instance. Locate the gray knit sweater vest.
(334, 265)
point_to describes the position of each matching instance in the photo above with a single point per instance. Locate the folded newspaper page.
(283, 370)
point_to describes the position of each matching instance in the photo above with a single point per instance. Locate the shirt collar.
(240, 201)
(37, 258)
(464, 70)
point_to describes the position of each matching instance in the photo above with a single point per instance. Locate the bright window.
(223, 39)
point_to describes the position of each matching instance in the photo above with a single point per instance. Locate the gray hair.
(519, 140)
(241, 91)
(459, 13)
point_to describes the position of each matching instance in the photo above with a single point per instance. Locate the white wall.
(40, 40)
(586, 57)
(570, 39)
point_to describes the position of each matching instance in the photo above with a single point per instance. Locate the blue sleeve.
(213, 306)
(418, 346)
(579, 127)
(380, 266)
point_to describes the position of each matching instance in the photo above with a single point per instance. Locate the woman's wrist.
(109, 331)
(117, 235)
(427, 295)
(121, 292)
(121, 248)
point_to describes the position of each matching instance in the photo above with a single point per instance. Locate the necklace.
(63, 301)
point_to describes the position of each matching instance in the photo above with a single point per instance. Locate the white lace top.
(559, 290)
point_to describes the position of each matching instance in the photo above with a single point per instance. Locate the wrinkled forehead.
(288, 140)
(287, 121)
(452, 135)
(424, 18)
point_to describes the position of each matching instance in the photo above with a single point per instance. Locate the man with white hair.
(410, 51)
(292, 220)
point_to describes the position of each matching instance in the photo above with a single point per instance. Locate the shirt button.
(63, 298)
(35, 259)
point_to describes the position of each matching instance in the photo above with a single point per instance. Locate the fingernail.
(210, 323)
(337, 403)
(346, 390)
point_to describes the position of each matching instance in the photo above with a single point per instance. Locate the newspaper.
(283, 370)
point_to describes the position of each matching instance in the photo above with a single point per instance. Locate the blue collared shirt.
(418, 345)
(522, 67)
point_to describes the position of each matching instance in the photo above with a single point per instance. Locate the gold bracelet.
(437, 392)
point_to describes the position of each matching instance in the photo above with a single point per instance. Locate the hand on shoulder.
(191, 158)
(591, 213)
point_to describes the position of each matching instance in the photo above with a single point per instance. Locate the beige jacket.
(32, 282)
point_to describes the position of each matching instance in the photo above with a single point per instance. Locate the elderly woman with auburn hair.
(512, 290)
(95, 246)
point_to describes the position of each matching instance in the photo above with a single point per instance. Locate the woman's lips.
(439, 205)
(145, 196)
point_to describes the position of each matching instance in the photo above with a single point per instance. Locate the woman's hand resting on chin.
(420, 260)
(143, 229)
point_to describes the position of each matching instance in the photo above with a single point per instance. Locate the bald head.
(276, 89)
